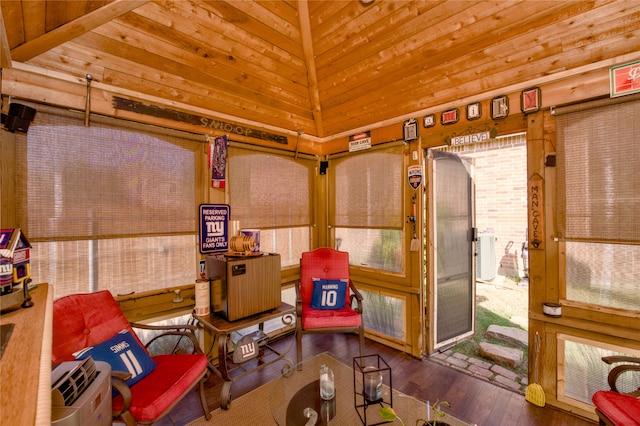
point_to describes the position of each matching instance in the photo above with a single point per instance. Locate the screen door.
(451, 273)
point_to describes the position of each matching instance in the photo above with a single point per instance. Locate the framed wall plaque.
(410, 130)
(625, 79)
(499, 107)
(474, 111)
(530, 100)
(429, 120)
(450, 116)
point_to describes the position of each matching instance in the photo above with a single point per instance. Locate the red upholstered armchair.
(615, 408)
(335, 306)
(89, 320)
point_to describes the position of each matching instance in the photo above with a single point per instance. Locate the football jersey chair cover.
(616, 408)
(92, 324)
(326, 299)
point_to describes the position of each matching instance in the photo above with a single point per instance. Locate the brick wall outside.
(501, 197)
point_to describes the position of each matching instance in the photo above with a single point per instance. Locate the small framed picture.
(499, 107)
(474, 111)
(530, 100)
(429, 120)
(410, 130)
(450, 116)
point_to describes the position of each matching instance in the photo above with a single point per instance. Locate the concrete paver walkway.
(482, 369)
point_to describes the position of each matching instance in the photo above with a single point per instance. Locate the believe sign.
(470, 139)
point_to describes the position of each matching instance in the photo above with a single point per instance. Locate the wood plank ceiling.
(324, 68)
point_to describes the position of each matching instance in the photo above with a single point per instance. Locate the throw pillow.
(123, 353)
(328, 294)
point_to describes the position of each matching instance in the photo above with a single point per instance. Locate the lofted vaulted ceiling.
(322, 68)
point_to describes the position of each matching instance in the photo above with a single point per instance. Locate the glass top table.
(298, 389)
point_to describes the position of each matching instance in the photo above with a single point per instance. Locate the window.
(272, 192)
(598, 201)
(367, 215)
(385, 314)
(584, 372)
(603, 274)
(110, 206)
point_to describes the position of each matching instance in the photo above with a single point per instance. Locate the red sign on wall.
(625, 79)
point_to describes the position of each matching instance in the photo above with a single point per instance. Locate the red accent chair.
(326, 263)
(84, 320)
(616, 408)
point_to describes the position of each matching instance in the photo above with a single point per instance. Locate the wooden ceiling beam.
(5, 53)
(73, 29)
(307, 48)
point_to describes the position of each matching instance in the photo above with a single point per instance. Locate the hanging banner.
(415, 176)
(214, 227)
(218, 161)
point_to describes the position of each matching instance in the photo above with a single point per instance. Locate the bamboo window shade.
(369, 189)
(108, 180)
(268, 190)
(598, 175)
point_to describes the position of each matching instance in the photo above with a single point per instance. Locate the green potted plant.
(388, 414)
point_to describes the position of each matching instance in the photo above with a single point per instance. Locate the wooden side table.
(250, 354)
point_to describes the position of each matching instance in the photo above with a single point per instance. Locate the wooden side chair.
(616, 408)
(326, 299)
(93, 325)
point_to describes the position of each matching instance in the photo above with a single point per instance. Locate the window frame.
(391, 147)
(599, 313)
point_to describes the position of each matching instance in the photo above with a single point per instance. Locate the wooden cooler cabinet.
(241, 287)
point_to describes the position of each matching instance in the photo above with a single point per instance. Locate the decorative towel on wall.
(218, 161)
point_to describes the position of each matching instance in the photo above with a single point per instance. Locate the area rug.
(249, 409)
(254, 409)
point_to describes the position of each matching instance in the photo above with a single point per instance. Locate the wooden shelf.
(25, 367)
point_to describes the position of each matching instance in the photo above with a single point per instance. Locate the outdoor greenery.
(485, 318)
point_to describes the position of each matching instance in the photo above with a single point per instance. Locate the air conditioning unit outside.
(81, 393)
(486, 260)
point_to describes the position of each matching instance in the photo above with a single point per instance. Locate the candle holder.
(371, 386)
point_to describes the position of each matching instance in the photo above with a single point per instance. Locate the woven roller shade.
(105, 181)
(599, 174)
(369, 190)
(269, 190)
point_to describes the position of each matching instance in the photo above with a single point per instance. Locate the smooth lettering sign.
(360, 141)
(214, 228)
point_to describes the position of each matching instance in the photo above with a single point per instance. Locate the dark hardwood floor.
(470, 398)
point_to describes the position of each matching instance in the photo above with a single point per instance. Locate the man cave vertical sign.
(536, 212)
(214, 227)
